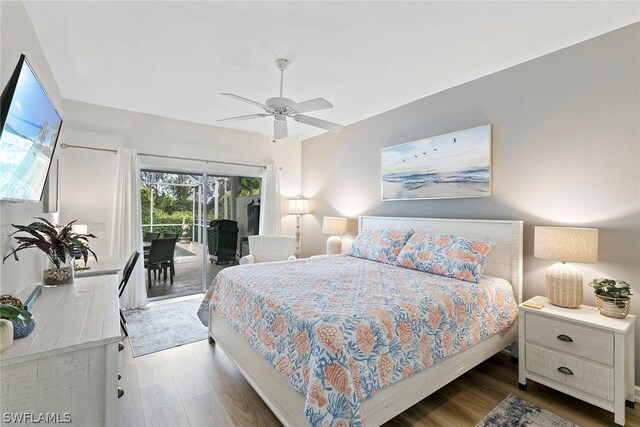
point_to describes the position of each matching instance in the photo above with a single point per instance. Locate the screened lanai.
(184, 205)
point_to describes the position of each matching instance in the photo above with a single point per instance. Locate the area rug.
(515, 412)
(164, 326)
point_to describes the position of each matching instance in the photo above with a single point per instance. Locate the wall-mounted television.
(29, 128)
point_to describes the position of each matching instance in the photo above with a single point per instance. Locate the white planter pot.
(6, 334)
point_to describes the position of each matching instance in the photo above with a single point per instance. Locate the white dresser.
(579, 352)
(68, 365)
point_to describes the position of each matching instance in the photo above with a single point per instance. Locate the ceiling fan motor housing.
(279, 105)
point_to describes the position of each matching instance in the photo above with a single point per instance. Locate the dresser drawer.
(589, 377)
(573, 339)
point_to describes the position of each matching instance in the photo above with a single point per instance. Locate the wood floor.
(198, 385)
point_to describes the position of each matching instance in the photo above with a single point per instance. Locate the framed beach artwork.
(453, 165)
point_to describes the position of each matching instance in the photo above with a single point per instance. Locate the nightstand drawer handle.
(565, 370)
(565, 338)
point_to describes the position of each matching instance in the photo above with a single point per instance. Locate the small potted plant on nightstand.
(58, 243)
(612, 297)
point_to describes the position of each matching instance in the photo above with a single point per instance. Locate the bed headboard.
(504, 261)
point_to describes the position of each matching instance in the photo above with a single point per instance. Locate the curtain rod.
(64, 145)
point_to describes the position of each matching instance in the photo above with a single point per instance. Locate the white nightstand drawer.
(577, 340)
(589, 377)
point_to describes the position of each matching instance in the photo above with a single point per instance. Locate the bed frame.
(287, 404)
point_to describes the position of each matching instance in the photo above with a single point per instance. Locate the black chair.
(222, 240)
(161, 258)
(148, 237)
(126, 274)
(169, 236)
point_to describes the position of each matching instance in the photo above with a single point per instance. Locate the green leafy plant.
(56, 241)
(14, 314)
(611, 288)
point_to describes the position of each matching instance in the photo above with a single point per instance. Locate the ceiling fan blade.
(319, 123)
(247, 117)
(311, 105)
(280, 129)
(240, 98)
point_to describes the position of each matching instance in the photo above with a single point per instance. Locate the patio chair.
(169, 236)
(149, 236)
(126, 274)
(222, 240)
(160, 258)
(270, 248)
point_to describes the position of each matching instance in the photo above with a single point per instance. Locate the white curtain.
(270, 217)
(127, 225)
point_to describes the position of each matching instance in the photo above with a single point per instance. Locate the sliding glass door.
(172, 209)
(200, 212)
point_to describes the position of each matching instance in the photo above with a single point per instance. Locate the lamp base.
(564, 285)
(334, 245)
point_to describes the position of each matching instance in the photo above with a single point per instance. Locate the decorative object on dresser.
(6, 334)
(58, 243)
(334, 226)
(566, 244)
(22, 323)
(81, 229)
(298, 207)
(612, 297)
(453, 165)
(580, 353)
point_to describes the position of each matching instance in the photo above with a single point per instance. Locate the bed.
(321, 353)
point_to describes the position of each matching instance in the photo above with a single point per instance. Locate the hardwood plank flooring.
(198, 385)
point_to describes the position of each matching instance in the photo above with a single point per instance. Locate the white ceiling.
(174, 58)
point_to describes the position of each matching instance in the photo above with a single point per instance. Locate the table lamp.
(79, 229)
(298, 207)
(335, 227)
(565, 244)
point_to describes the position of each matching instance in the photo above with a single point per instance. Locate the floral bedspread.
(341, 328)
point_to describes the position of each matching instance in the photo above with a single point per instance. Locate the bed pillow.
(379, 245)
(446, 255)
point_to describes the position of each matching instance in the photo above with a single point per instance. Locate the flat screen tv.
(29, 128)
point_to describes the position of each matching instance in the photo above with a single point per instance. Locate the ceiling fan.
(281, 108)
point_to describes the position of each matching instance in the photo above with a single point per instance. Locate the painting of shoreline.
(456, 164)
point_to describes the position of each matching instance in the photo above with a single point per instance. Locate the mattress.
(341, 328)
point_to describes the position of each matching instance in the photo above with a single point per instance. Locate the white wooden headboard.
(504, 261)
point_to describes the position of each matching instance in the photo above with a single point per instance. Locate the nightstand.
(578, 352)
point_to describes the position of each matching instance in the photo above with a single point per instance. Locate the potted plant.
(612, 297)
(14, 322)
(58, 243)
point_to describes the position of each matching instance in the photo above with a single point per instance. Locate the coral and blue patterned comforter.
(341, 328)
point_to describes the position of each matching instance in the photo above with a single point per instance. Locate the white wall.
(566, 151)
(87, 176)
(18, 36)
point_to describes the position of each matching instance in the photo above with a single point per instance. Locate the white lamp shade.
(80, 228)
(334, 225)
(298, 206)
(566, 244)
